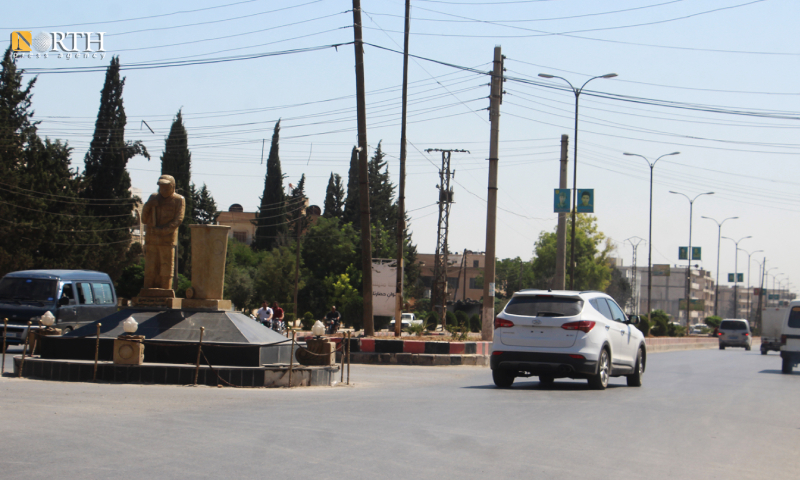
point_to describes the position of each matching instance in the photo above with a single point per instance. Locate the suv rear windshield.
(732, 325)
(794, 318)
(38, 290)
(544, 306)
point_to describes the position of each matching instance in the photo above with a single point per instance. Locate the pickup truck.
(771, 323)
(406, 320)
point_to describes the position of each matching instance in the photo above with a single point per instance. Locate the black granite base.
(171, 374)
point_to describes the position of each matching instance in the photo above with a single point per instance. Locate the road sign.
(661, 270)
(697, 304)
(561, 200)
(585, 200)
(683, 253)
(739, 278)
(696, 253)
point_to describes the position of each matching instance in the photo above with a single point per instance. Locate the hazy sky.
(713, 79)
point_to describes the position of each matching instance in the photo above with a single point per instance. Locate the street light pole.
(774, 277)
(749, 287)
(635, 291)
(719, 234)
(650, 234)
(577, 92)
(689, 251)
(736, 276)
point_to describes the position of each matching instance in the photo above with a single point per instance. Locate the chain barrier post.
(96, 352)
(348, 358)
(199, 350)
(344, 342)
(5, 331)
(24, 350)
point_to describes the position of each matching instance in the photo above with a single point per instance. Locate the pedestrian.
(264, 314)
(277, 317)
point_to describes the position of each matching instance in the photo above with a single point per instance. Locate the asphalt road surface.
(702, 414)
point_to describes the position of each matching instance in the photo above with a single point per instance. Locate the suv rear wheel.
(787, 366)
(599, 381)
(502, 378)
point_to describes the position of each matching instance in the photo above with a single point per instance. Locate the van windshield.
(544, 306)
(28, 290)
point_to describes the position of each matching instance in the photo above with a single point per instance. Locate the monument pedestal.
(129, 350)
(206, 304)
(324, 352)
(157, 297)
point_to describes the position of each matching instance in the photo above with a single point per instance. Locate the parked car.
(734, 332)
(74, 297)
(790, 338)
(564, 334)
(406, 320)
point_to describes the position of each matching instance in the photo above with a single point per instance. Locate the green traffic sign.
(683, 253)
(696, 253)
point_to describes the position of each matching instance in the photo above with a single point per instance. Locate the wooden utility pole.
(363, 173)
(496, 97)
(297, 271)
(401, 192)
(559, 282)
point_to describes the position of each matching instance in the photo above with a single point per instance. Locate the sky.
(715, 80)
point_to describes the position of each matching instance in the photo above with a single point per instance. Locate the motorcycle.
(332, 327)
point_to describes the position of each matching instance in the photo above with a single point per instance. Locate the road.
(701, 414)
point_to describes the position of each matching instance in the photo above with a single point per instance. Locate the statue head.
(166, 185)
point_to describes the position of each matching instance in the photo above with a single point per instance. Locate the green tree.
(274, 278)
(352, 205)
(177, 161)
(334, 197)
(107, 179)
(204, 208)
(512, 275)
(381, 192)
(592, 271)
(271, 216)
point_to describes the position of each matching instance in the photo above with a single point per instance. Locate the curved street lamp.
(577, 92)
(689, 251)
(650, 234)
(749, 287)
(719, 233)
(736, 276)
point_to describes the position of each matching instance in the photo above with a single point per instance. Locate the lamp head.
(130, 325)
(545, 75)
(318, 329)
(609, 75)
(48, 319)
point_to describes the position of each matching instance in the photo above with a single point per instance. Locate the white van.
(790, 338)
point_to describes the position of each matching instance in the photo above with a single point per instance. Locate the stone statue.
(162, 214)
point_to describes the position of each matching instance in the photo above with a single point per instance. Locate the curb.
(419, 359)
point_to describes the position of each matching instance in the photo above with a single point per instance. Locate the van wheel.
(787, 366)
(747, 348)
(546, 380)
(763, 351)
(722, 347)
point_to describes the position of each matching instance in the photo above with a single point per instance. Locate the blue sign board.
(683, 253)
(561, 200)
(696, 253)
(585, 200)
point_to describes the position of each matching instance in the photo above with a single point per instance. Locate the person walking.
(264, 314)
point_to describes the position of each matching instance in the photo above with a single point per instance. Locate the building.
(463, 270)
(242, 223)
(669, 291)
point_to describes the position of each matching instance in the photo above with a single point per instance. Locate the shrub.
(475, 323)
(307, 321)
(417, 329)
(451, 318)
(713, 321)
(461, 318)
(660, 323)
(431, 321)
(644, 325)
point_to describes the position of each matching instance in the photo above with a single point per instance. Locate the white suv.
(566, 334)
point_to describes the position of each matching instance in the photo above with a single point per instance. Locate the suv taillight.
(583, 326)
(783, 339)
(502, 323)
(746, 334)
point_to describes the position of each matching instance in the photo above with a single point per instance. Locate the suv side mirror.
(633, 319)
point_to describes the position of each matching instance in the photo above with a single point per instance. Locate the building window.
(475, 264)
(240, 236)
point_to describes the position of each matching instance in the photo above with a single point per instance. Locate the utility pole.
(401, 192)
(297, 268)
(496, 98)
(439, 290)
(761, 293)
(559, 281)
(363, 174)
(635, 247)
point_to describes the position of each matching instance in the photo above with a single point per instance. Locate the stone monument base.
(158, 302)
(157, 292)
(129, 350)
(206, 304)
(319, 352)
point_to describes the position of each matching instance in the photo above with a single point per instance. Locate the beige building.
(242, 223)
(668, 293)
(462, 272)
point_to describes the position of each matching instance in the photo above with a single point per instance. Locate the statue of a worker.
(162, 214)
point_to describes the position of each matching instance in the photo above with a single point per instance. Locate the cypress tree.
(205, 208)
(271, 216)
(352, 207)
(177, 161)
(381, 191)
(334, 197)
(107, 180)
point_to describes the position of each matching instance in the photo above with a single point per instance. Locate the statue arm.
(148, 211)
(178, 218)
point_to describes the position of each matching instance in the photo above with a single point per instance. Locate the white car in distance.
(406, 320)
(565, 334)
